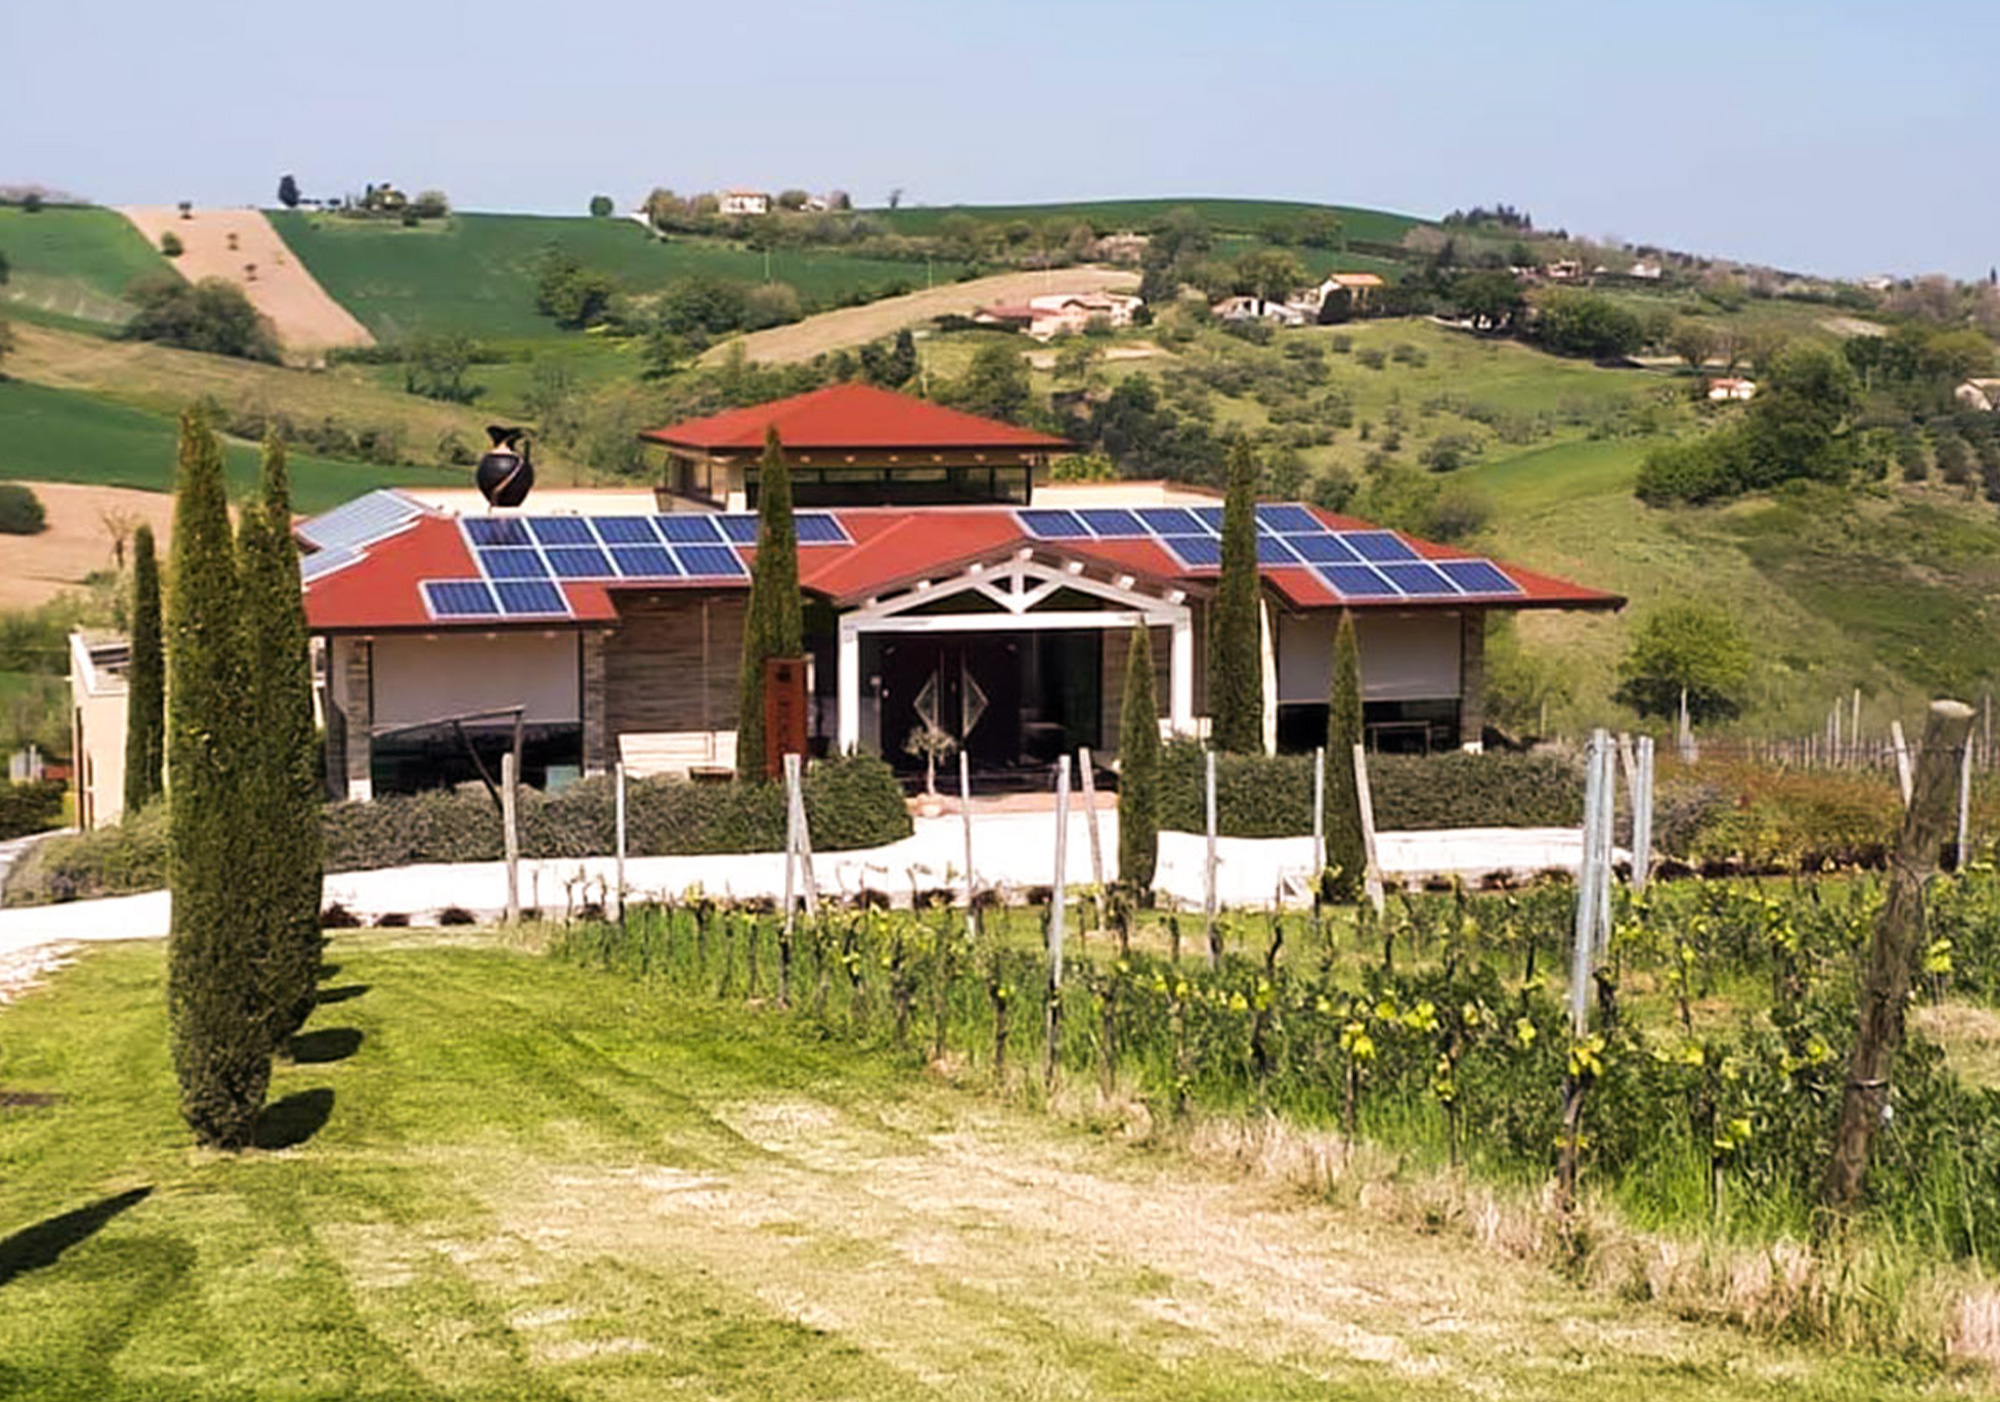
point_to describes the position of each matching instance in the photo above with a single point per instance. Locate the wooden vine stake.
(510, 820)
(1089, 781)
(1209, 900)
(1365, 799)
(1898, 930)
(618, 779)
(1058, 898)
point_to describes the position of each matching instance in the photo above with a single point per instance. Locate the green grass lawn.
(476, 272)
(1222, 215)
(490, 1175)
(57, 435)
(71, 266)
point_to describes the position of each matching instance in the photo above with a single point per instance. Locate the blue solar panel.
(1417, 580)
(533, 596)
(740, 529)
(1210, 516)
(1477, 576)
(1111, 523)
(362, 521)
(644, 561)
(496, 530)
(1194, 551)
(1287, 518)
(1053, 525)
(1273, 551)
(711, 561)
(1378, 545)
(1358, 582)
(561, 530)
(625, 530)
(512, 562)
(1322, 549)
(688, 529)
(818, 528)
(579, 562)
(1168, 520)
(459, 598)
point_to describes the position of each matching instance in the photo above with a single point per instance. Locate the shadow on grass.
(327, 971)
(341, 994)
(288, 1123)
(31, 1248)
(326, 1044)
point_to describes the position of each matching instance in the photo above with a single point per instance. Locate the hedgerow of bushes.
(1271, 795)
(851, 802)
(30, 807)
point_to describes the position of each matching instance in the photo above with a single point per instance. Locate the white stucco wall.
(425, 678)
(1404, 656)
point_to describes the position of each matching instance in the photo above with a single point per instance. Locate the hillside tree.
(145, 681)
(219, 1016)
(288, 192)
(7, 342)
(1346, 850)
(601, 206)
(284, 879)
(1235, 641)
(1139, 766)
(995, 384)
(1689, 648)
(774, 625)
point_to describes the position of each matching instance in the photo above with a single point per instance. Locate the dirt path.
(306, 317)
(854, 326)
(78, 541)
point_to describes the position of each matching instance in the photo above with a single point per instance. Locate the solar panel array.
(1366, 564)
(360, 522)
(523, 559)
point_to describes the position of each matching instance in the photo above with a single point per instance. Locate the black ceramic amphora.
(505, 474)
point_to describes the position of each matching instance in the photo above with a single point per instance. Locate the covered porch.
(1016, 660)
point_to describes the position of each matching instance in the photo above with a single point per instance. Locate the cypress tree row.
(145, 681)
(1345, 850)
(774, 625)
(1139, 766)
(284, 783)
(1235, 642)
(217, 1005)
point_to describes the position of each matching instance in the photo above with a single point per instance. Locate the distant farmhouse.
(1062, 314)
(744, 202)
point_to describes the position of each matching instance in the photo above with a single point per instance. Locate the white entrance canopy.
(1030, 591)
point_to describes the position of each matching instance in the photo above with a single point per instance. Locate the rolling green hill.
(71, 265)
(57, 435)
(476, 272)
(1223, 216)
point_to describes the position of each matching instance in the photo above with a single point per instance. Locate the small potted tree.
(930, 744)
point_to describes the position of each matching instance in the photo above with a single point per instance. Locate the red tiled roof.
(892, 549)
(850, 416)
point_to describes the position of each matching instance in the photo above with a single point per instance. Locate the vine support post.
(618, 780)
(1089, 781)
(510, 814)
(1902, 747)
(1319, 816)
(1588, 875)
(1642, 817)
(1898, 928)
(965, 815)
(1058, 898)
(1209, 899)
(1364, 798)
(1964, 802)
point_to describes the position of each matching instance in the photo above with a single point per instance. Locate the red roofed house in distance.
(945, 584)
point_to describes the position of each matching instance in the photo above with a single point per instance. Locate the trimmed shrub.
(1346, 851)
(1235, 649)
(1139, 767)
(1271, 796)
(850, 803)
(31, 807)
(21, 511)
(145, 681)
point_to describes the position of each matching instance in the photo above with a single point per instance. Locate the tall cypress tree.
(217, 1005)
(285, 775)
(1235, 641)
(1139, 766)
(145, 681)
(774, 625)
(1345, 850)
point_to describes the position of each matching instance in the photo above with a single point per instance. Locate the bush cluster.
(30, 807)
(850, 803)
(1271, 795)
(21, 511)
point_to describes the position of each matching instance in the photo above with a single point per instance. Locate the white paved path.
(1011, 849)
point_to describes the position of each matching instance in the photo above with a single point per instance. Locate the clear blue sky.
(1834, 137)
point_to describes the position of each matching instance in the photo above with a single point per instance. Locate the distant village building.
(1120, 248)
(1730, 387)
(1360, 288)
(1651, 272)
(1563, 270)
(1246, 308)
(744, 202)
(1062, 313)
(97, 699)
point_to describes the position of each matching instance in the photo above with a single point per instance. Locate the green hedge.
(1271, 795)
(32, 807)
(850, 803)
